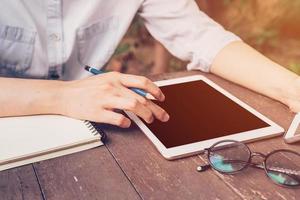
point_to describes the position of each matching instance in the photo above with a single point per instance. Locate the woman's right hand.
(96, 98)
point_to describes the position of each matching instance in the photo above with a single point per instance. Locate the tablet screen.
(199, 112)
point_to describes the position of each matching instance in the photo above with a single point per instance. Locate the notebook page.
(21, 136)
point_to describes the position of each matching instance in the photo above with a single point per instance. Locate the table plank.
(91, 174)
(96, 174)
(19, 183)
(155, 177)
(253, 183)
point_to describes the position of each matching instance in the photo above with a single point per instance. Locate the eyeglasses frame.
(248, 162)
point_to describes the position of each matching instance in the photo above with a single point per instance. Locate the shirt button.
(54, 37)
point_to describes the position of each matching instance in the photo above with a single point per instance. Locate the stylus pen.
(136, 90)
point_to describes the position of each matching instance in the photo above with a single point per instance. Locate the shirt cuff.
(203, 59)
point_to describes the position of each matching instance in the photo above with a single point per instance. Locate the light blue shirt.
(56, 38)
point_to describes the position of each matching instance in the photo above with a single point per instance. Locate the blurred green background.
(272, 27)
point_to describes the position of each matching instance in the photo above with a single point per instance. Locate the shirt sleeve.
(185, 31)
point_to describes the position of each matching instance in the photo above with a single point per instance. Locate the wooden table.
(129, 167)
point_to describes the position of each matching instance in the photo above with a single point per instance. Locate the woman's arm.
(27, 97)
(94, 98)
(243, 65)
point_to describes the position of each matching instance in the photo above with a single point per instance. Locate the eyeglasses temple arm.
(290, 173)
(202, 168)
(277, 169)
(294, 174)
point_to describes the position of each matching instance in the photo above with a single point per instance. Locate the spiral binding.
(95, 130)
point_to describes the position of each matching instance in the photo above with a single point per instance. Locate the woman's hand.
(292, 95)
(96, 98)
(241, 64)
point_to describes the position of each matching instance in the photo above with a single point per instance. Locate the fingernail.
(126, 124)
(166, 117)
(162, 97)
(151, 120)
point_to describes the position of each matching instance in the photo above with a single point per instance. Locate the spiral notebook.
(29, 139)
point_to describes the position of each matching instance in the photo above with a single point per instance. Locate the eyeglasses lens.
(283, 167)
(229, 157)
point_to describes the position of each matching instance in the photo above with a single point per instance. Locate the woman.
(54, 39)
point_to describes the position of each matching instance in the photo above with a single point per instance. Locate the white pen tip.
(149, 96)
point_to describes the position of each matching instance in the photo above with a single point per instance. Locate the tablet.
(202, 113)
(293, 134)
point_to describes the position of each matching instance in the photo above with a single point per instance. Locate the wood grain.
(19, 183)
(129, 167)
(253, 183)
(155, 177)
(91, 174)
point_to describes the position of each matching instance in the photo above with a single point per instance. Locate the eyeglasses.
(229, 157)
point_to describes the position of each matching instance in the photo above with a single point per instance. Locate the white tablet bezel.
(290, 136)
(194, 148)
